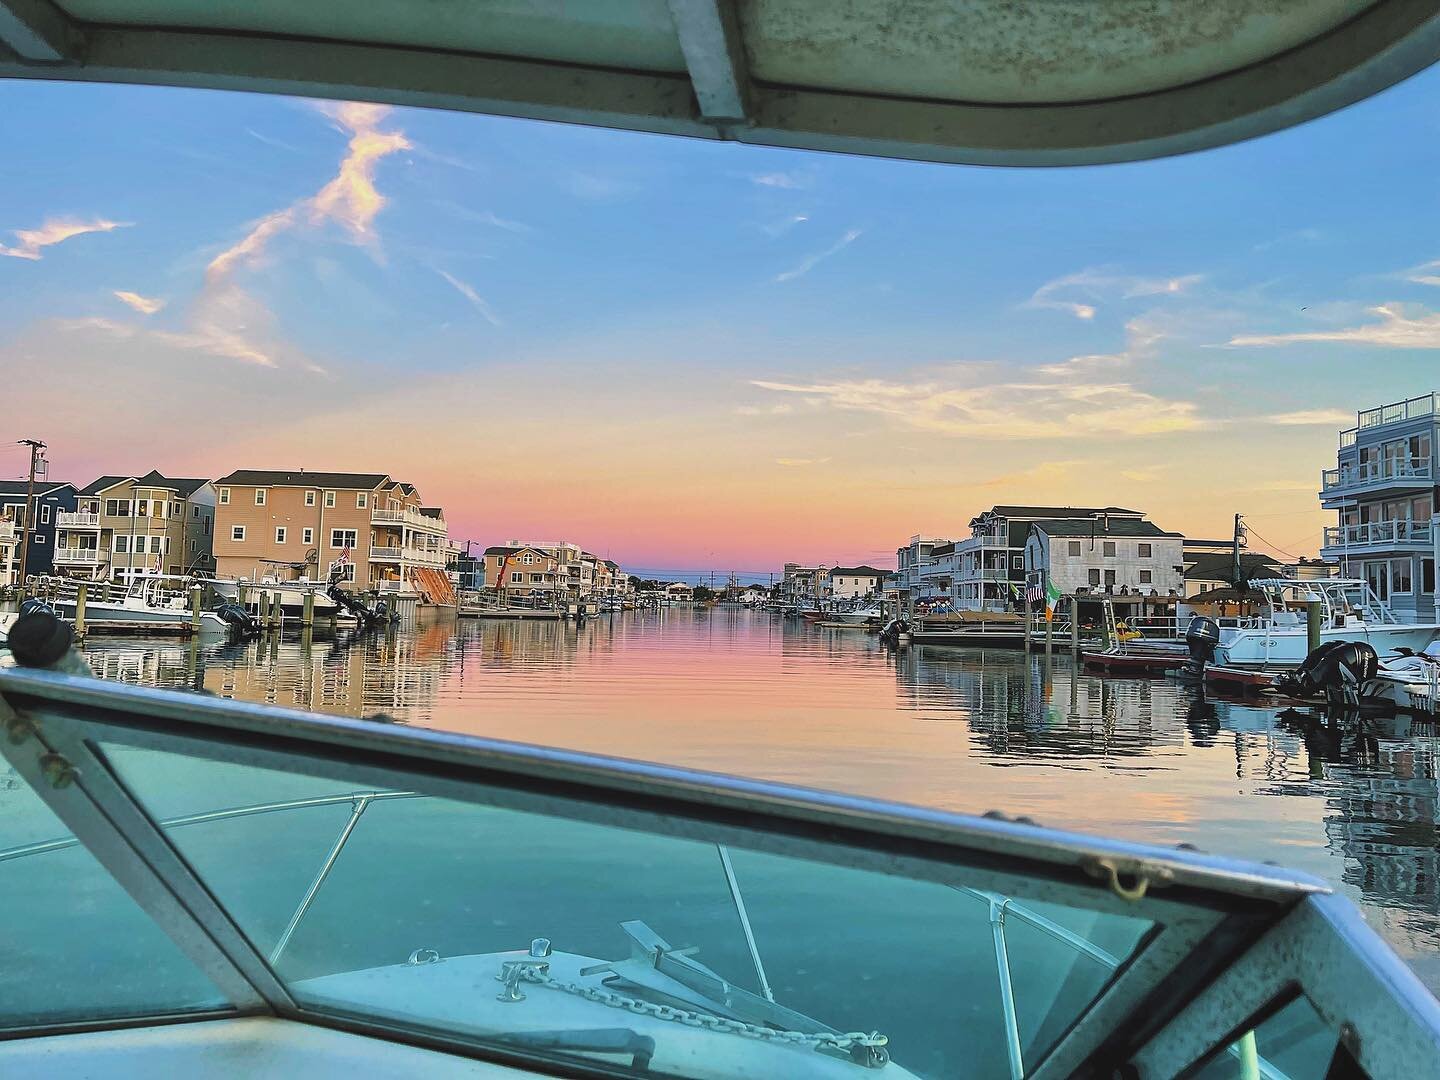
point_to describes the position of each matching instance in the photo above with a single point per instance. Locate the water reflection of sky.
(966, 730)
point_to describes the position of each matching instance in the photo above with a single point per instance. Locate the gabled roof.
(97, 486)
(1101, 528)
(303, 479)
(401, 486)
(9, 488)
(1053, 512)
(859, 571)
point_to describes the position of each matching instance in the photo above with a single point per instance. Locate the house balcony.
(1376, 477)
(7, 532)
(77, 521)
(409, 517)
(991, 573)
(81, 556)
(425, 556)
(1375, 537)
(385, 553)
(1415, 408)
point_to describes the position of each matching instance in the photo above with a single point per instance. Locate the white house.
(849, 582)
(1107, 555)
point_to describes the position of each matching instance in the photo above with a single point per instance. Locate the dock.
(1137, 663)
(477, 612)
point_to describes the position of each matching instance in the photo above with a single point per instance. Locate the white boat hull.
(1288, 647)
(100, 612)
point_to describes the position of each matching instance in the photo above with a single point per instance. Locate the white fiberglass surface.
(454, 884)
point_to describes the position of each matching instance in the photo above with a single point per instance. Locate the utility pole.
(1236, 579)
(35, 447)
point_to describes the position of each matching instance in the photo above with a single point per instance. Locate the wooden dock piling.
(307, 617)
(196, 592)
(80, 591)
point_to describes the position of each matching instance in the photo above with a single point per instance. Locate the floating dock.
(509, 613)
(1138, 663)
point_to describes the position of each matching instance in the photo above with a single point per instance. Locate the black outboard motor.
(241, 622)
(890, 635)
(1201, 636)
(34, 605)
(1338, 670)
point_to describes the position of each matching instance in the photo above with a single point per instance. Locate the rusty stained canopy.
(1059, 82)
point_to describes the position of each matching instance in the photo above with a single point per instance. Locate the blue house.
(51, 500)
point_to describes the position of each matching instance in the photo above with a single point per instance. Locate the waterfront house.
(286, 526)
(123, 527)
(558, 569)
(851, 582)
(913, 562)
(1117, 556)
(679, 592)
(50, 501)
(801, 585)
(1382, 490)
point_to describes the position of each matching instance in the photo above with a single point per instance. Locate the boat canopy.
(179, 863)
(978, 81)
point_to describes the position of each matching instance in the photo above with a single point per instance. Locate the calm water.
(963, 729)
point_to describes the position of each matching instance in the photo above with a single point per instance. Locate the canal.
(962, 729)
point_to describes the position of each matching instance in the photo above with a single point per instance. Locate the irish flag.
(1052, 597)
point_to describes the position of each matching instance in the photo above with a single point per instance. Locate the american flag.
(1035, 590)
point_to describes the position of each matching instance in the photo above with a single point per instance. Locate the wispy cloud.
(483, 217)
(1307, 417)
(800, 462)
(784, 225)
(1394, 330)
(1141, 338)
(54, 231)
(479, 302)
(1046, 470)
(143, 304)
(964, 402)
(1079, 293)
(780, 409)
(212, 340)
(811, 261)
(1424, 274)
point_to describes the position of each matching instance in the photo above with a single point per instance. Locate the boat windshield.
(606, 915)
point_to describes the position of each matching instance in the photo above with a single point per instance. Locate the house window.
(1109, 549)
(193, 545)
(1427, 575)
(516, 577)
(195, 512)
(37, 538)
(329, 499)
(1109, 577)
(343, 538)
(45, 515)
(224, 496)
(122, 545)
(1147, 577)
(280, 534)
(1144, 551)
(142, 508)
(176, 510)
(112, 508)
(307, 536)
(362, 499)
(309, 498)
(536, 579)
(259, 496)
(1400, 580)
(1094, 577)
(237, 532)
(1073, 547)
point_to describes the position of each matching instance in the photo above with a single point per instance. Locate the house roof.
(401, 486)
(432, 511)
(859, 571)
(9, 488)
(1098, 527)
(301, 478)
(97, 486)
(1053, 512)
(1218, 567)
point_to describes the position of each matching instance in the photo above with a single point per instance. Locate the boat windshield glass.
(411, 910)
(80, 949)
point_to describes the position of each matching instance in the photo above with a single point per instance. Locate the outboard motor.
(890, 634)
(240, 621)
(35, 605)
(1201, 637)
(1337, 670)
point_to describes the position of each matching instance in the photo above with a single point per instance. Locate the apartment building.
(852, 582)
(1383, 493)
(50, 501)
(1107, 555)
(292, 525)
(551, 568)
(801, 584)
(124, 527)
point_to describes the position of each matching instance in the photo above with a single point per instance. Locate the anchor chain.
(868, 1050)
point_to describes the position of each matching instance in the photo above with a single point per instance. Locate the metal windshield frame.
(1208, 911)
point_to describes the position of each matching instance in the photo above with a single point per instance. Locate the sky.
(696, 355)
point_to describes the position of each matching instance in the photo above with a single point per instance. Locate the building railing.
(385, 551)
(407, 517)
(992, 540)
(77, 521)
(92, 556)
(1374, 471)
(428, 556)
(1347, 438)
(1379, 532)
(1409, 409)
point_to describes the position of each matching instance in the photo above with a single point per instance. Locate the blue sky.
(697, 354)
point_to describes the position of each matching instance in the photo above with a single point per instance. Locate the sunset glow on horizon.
(701, 355)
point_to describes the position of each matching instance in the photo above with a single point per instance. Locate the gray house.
(51, 500)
